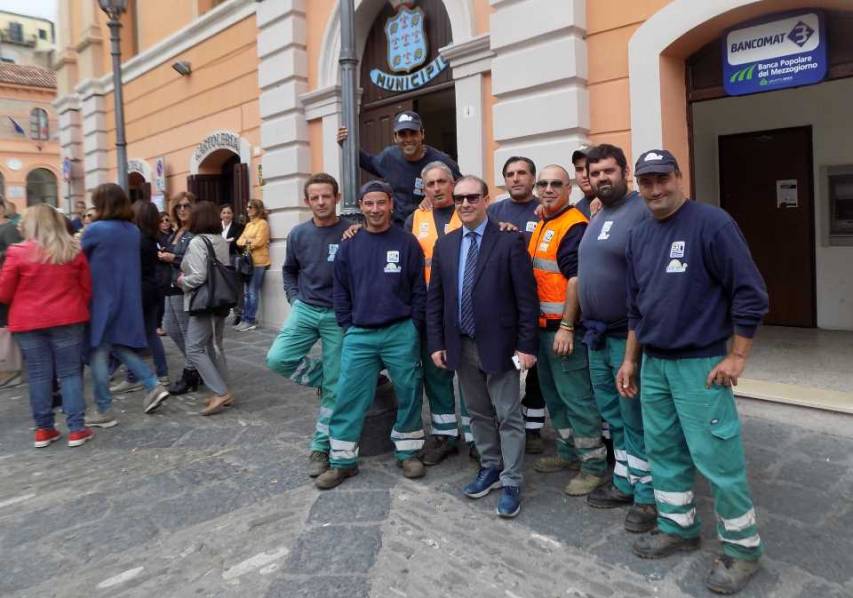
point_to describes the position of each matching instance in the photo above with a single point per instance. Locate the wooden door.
(766, 185)
(205, 187)
(240, 192)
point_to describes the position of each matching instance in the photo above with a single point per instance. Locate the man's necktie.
(466, 323)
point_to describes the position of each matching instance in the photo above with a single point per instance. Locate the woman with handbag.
(256, 240)
(175, 319)
(205, 351)
(117, 325)
(47, 282)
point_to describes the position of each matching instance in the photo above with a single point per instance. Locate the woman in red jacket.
(47, 283)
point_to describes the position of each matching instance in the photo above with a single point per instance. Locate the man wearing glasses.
(563, 368)
(481, 322)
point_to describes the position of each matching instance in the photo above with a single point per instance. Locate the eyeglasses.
(472, 198)
(555, 185)
(184, 206)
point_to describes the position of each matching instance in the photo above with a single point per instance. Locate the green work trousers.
(288, 356)
(566, 388)
(365, 352)
(438, 387)
(624, 417)
(690, 427)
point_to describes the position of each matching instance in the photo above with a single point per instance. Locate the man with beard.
(401, 164)
(563, 366)
(602, 290)
(588, 204)
(521, 210)
(428, 227)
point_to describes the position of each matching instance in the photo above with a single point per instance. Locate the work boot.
(555, 464)
(412, 468)
(534, 444)
(318, 463)
(641, 519)
(730, 575)
(609, 497)
(437, 448)
(188, 382)
(334, 477)
(584, 483)
(658, 544)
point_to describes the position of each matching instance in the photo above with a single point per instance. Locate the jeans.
(253, 291)
(155, 345)
(99, 362)
(55, 351)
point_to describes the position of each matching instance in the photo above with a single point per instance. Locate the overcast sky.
(36, 8)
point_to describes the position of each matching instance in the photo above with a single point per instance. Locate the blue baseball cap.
(656, 161)
(408, 120)
(374, 187)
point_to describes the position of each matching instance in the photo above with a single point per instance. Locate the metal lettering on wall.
(407, 49)
(218, 140)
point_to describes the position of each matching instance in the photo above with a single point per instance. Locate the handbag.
(245, 265)
(218, 294)
(10, 354)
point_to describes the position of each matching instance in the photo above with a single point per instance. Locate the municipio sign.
(407, 49)
(777, 52)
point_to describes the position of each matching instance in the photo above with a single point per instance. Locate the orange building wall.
(610, 26)
(159, 19)
(316, 20)
(169, 115)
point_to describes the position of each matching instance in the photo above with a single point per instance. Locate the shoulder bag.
(218, 294)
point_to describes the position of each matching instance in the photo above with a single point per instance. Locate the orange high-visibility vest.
(550, 282)
(423, 227)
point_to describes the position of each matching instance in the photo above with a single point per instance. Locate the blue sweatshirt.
(404, 176)
(379, 280)
(691, 283)
(522, 215)
(602, 265)
(309, 262)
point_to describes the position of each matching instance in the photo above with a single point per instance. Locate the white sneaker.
(164, 381)
(124, 387)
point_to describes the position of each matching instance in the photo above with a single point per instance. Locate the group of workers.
(632, 311)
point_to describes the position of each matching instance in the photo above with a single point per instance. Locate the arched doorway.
(401, 70)
(41, 187)
(222, 178)
(138, 180)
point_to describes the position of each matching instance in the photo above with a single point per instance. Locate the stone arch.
(460, 12)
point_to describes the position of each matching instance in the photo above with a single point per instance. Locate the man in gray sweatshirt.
(602, 289)
(307, 272)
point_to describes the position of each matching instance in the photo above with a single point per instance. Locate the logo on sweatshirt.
(677, 249)
(424, 230)
(531, 226)
(676, 266)
(393, 259)
(333, 251)
(605, 230)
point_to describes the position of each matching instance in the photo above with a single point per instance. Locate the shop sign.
(408, 49)
(785, 50)
(160, 175)
(66, 169)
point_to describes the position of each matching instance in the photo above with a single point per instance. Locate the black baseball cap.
(581, 152)
(375, 186)
(408, 120)
(656, 161)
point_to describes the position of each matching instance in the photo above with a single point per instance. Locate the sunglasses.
(472, 198)
(184, 206)
(555, 185)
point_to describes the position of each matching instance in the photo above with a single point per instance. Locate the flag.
(18, 128)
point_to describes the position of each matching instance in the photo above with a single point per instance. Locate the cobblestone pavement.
(174, 504)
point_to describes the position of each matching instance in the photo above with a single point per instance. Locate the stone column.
(71, 147)
(96, 147)
(539, 78)
(282, 78)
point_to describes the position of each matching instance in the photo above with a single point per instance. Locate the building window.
(38, 124)
(42, 34)
(16, 32)
(41, 187)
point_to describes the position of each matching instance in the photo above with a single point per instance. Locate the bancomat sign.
(787, 50)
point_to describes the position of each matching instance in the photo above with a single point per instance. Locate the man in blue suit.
(482, 312)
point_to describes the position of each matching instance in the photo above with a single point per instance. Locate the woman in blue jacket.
(111, 244)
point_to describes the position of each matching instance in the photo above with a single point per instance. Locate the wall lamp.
(183, 67)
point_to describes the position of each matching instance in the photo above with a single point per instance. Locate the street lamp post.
(349, 85)
(114, 10)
